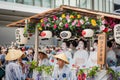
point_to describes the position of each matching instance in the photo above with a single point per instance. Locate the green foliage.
(47, 69)
(112, 73)
(33, 65)
(81, 71)
(39, 68)
(93, 72)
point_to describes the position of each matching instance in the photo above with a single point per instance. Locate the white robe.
(80, 55)
(92, 60)
(13, 71)
(63, 74)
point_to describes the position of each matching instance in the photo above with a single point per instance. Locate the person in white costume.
(64, 46)
(111, 56)
(13, 69)
(92, 60)
(42, 60)
(61, 70)
(81, 55)
(67, 52)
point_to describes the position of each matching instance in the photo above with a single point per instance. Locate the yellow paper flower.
(63, 15)
(71, 16)
(78, 16)
(40, 28)
(93, 22)
(41, 20)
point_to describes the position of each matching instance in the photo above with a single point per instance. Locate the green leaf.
(38, 25)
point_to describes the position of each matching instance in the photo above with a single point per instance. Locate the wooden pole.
(36, 44)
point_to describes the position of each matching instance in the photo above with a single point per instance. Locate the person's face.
(71, 46)
(60, 63)
(63, 46)
(81, 45)
(41, 56)
(95, 45)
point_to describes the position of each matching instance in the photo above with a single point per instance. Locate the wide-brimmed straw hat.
(63, 57)
(43, 52)
(14, 54)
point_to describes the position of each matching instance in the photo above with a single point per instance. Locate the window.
(73, 2)
(11, 0)
(58, 3)
(19, 1)
(28, 2)
(46, 3)
(37, 2)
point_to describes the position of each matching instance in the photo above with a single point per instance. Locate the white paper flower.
(60, 23)
(103, 21)
(82, 21)
(86, 18)
(102, 27)
(68, 20)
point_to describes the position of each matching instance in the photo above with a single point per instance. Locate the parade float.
(68, 22)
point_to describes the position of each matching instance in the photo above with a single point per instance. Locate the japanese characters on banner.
(117, 33)
(101, 48)
(20, 39)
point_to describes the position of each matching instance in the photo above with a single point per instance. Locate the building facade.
(100, 5)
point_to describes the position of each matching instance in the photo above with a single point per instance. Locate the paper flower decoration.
(93, 22)
(63, 16)
(72, 21)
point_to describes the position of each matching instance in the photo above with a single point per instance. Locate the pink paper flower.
(74, 22)
(102, 27)
(66, 25)
(112, 25)
(55, 26)
(67, 17)
(78, 24)
(55, 18)
(42, 24)
(45, 19)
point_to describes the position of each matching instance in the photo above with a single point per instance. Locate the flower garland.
(72, 21)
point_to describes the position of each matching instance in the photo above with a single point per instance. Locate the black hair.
(67, 43)
(73, 42)
(109, 44)
(95, 41)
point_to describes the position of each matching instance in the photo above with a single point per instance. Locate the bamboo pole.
(36, 44)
